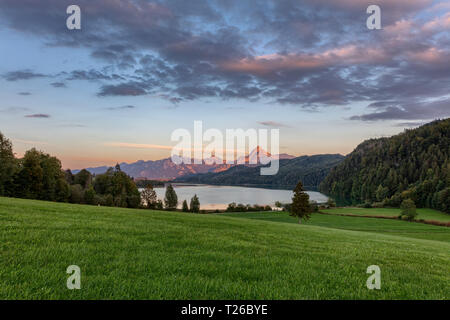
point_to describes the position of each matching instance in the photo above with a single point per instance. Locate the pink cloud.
(438, 23)
(273, 62)
(263, 64)
(431, 55)
(401, 27)
(384, 4)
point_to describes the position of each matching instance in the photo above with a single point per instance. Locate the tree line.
(413, 165)
(150, 200)
(40, 176)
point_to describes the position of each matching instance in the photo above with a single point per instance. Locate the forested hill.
(414, 164)
(311, 170)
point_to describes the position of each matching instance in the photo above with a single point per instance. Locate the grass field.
(423, 213)
(384, 226)
(143, 254)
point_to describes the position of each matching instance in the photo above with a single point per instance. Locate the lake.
(218, 197)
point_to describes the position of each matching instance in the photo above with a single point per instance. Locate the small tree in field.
(408, 209)
(195, 204)
(148, 196)
(278, 204)
(185, 206)
(300, 204)
(171, 199)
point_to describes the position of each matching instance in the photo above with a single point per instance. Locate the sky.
(137, 70)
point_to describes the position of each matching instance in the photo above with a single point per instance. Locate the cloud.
(410, 124)
(72, 125)
(37, 115)
(92, 75)
(22, 75)
(58, 84)
(409, 111)
(279, 62)
(14, 110)
(307, 53)
(24, 93)
(273, 124)
(127, 107)
(439, 23)
(123, 89)
(138, 145)
(431, 55)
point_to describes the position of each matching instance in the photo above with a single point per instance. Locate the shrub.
(377, 205)
(331, 203)
(367, 205)
(231, 207)
(408, 210)
(313, 206)
(159, 205)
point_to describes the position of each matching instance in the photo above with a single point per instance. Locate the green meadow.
(382, 226)
(144, 254)
(423, 213)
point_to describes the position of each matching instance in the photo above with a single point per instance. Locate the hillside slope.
(414, 164)
(311, 170)
(143, 254)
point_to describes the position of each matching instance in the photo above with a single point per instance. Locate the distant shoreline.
(259, 186)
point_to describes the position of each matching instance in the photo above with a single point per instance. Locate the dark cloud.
(24, 93)
(22, 75)
(123, 89)
(58, 84)
(410, 124)
(37, 115)
(92, 75)
(174, 100)
(411, 111)
(128, 107)
(272, 124)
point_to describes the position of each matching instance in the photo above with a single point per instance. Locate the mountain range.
(166, 169)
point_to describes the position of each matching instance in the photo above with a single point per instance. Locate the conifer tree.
(195, 204)
(171, 199)
(300, 204)
(185, 206)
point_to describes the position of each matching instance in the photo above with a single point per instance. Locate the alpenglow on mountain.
(166, 169)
